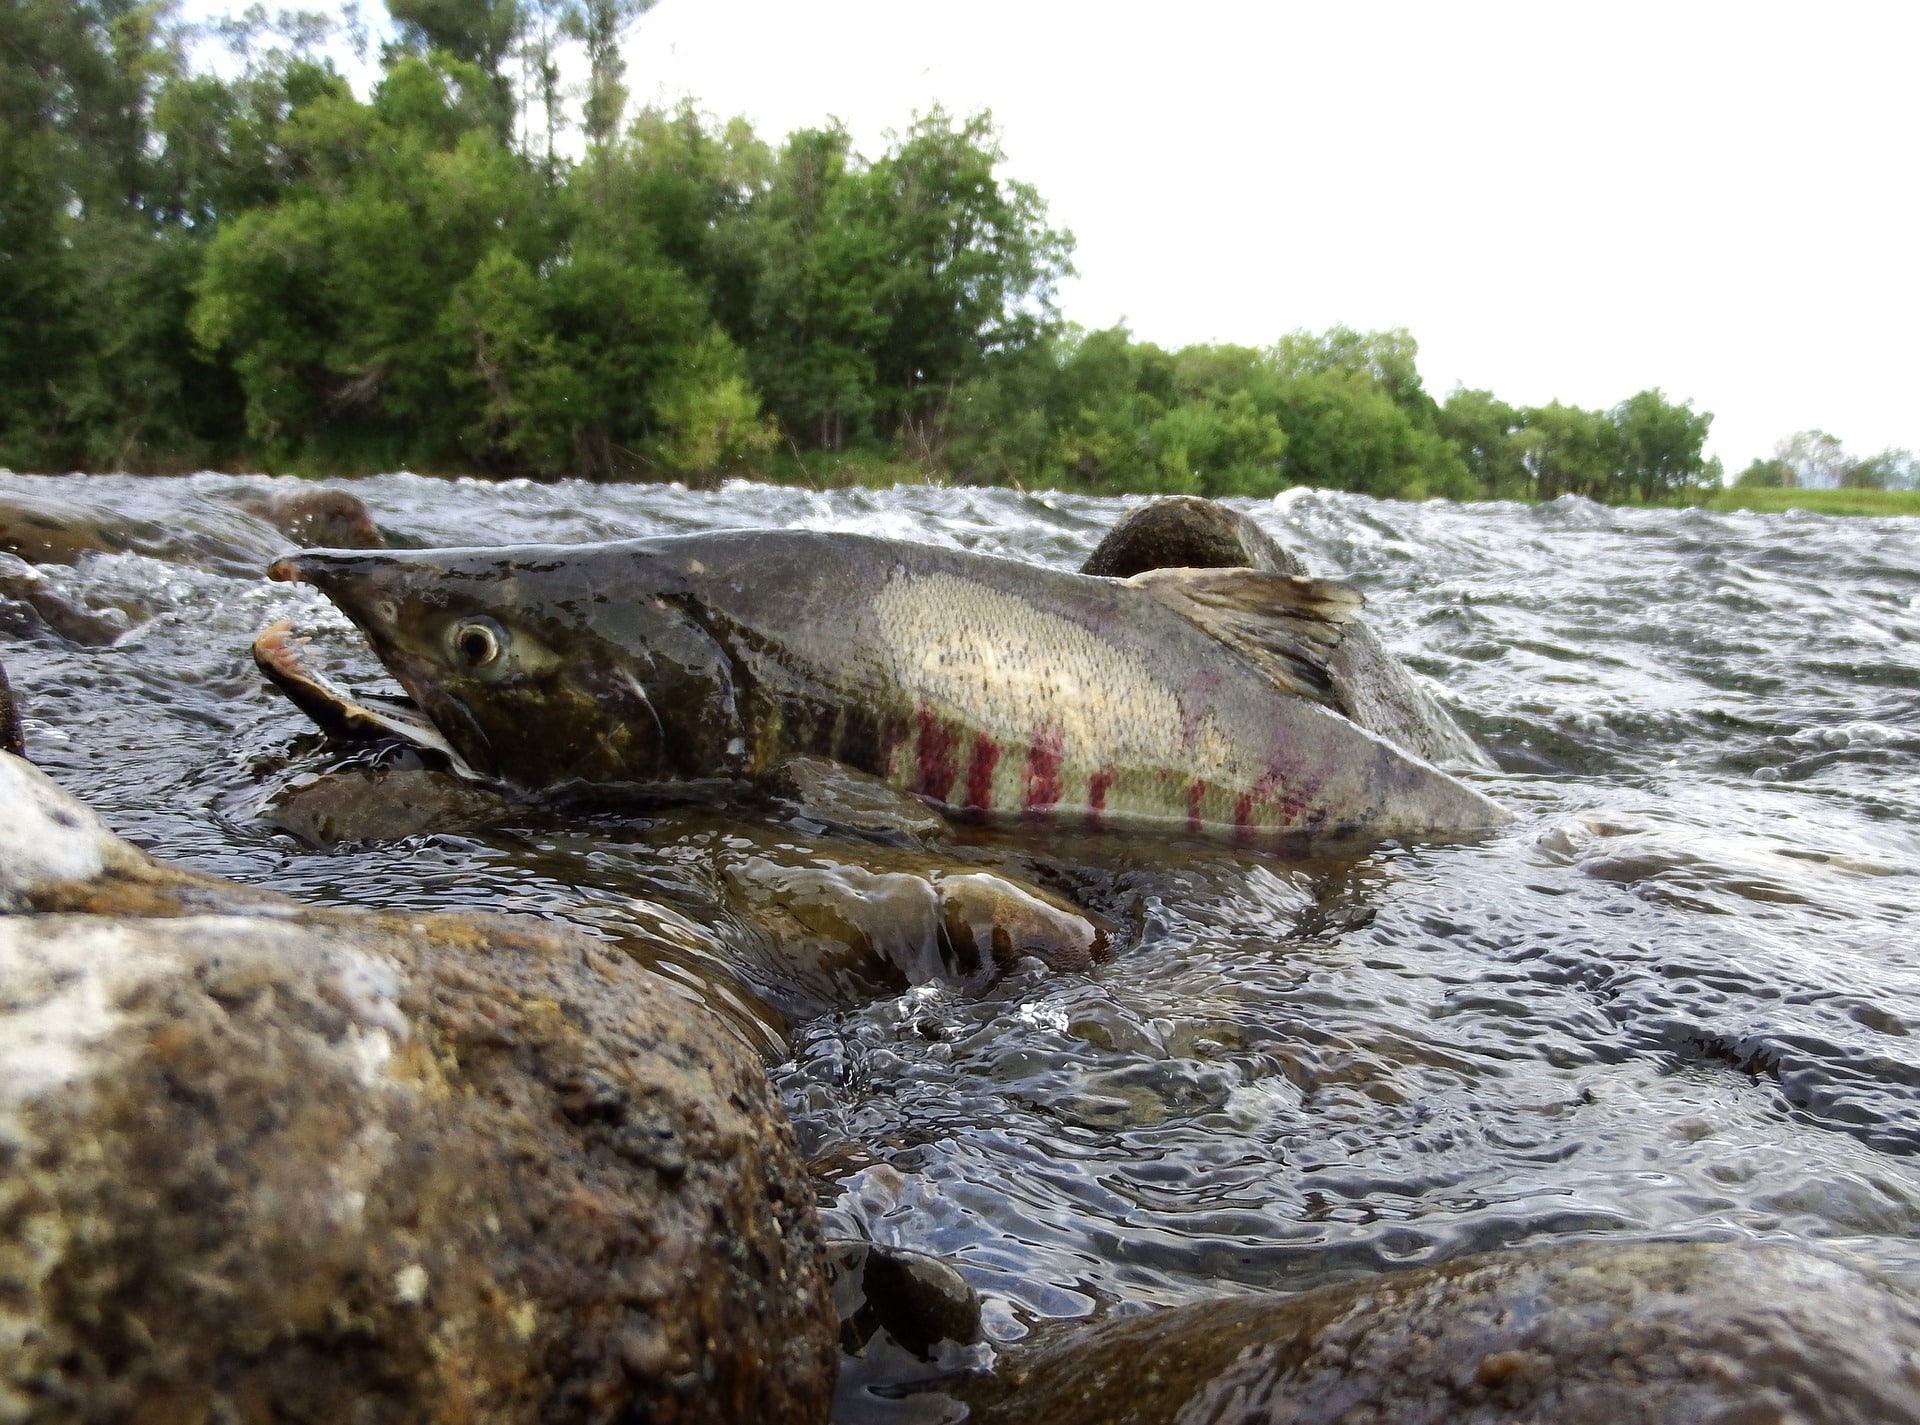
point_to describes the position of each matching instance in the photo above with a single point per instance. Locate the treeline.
(268, 270)
(1815, 460)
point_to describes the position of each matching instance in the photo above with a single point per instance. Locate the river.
(1678, 997)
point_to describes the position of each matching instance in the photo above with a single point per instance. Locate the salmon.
(1176, 700)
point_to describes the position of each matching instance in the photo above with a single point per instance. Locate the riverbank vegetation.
(266, 270)
(1851, 501)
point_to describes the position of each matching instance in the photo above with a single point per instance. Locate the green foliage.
(1346, 431)
(270, 268)
(571, 358)
(880, 287)
(330, 303)
(1819, 502)
(477, 33)
(1658, 446)
(1815, 460)
(1486, 431)
(98, 241)
(599, 25)
(1775, 474)
(1889, 470)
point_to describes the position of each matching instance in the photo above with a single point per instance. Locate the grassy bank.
(1819, 502)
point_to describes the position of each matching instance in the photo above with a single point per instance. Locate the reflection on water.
(1680, 995)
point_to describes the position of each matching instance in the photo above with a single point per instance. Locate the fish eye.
(479, 643)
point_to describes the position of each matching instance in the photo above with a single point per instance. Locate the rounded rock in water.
(266, 1162)
(1655, 1333)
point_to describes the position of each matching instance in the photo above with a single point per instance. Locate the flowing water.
(1679, 996)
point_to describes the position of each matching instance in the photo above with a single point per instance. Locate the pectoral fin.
(1286, 625)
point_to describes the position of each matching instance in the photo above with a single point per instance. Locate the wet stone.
(838, 796)
(68, 528)
(10, 737)
(996, 921)
(1187, 532)
(850, 920)
(261, 1161)
(1652, 1333)
(381, 804)
(920, 1301)
(314, 517)
(31, 603)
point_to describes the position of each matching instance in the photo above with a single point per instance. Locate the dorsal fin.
(1286, 625)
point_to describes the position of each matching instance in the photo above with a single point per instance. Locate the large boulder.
(1654, 1333)
(260, 1161)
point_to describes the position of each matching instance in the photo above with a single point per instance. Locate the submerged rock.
(261, 1161)
(1583, 1334)
(841, 921)
(838, 796)
(381, 804)
(1369, 684)
(35, 604)
(918, 1300)
(314, 516)
(65, 527)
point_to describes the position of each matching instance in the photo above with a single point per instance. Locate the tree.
(1346, 432)
(1386, 359)
(542, 28)
(959, 262)
(1569, 451)
(101, 228)
(1658, 447)
(598, 24)
(1889, 470)
(1818, 460)
(1486, 431)
(481, 33)
(814, 318)
(697, 184)
(1766, 475)
(330, 303)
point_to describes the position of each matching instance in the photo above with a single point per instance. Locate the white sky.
(1560, 200)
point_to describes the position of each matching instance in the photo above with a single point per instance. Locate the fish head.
(537, 677)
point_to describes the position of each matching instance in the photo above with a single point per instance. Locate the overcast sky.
(1561, 201)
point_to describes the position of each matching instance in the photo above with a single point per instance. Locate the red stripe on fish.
(1243, 827)
(986, 756)
(1097, 787)
(1043, 772)
(1196, 800)
(934, 754)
